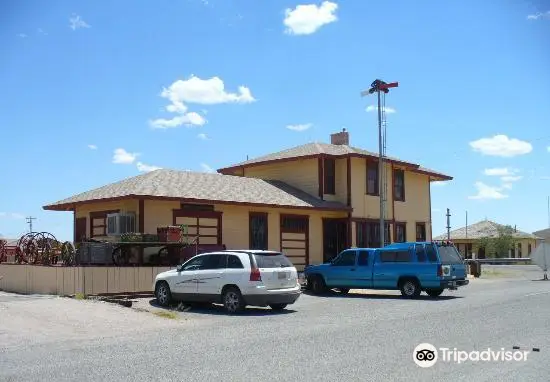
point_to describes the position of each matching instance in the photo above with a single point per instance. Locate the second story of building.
(337, 171)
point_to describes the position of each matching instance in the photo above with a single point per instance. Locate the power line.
(29, 222)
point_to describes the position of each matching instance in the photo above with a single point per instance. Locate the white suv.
(236, 278)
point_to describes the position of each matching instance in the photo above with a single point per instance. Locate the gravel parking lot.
(354, 338)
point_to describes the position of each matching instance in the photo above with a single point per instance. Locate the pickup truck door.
(390, 265)
(342, 271)
(363, 273)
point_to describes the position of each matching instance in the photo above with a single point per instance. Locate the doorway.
(335, 237)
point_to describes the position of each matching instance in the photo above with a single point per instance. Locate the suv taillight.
(255, 275)
(440, 270)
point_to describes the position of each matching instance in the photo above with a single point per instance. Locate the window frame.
(100, 215)
(340, 256)
(421, 225)
(329, 176)
(397, 226)
(398, 184)
(373, 165)
(251, 236)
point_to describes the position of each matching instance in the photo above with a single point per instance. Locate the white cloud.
(511, 178)
(548, 149)
(76, 22)
(42, 31)
(487, 192)
(300, 127)
(207, 168)
(387, 109)
(499, 171)
(436, 210)
(187, 119)
(501, 146)
(13, 215)
(439, 183)
(122, 156)
(507, 186)
(540, 15)
(202, 136)
(545, 177)
(142, 167)
(198, 91)
(308, 18)
(92, 147)
(22, 35)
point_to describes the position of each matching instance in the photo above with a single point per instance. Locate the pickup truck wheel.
(343, 290)
(410, 288)
(317, 284)
(434, 292)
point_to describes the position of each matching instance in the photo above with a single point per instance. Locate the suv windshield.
(272, 260)
(449, 255)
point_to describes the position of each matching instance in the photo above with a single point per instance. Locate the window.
(402, 256)
(431, 253)
(449, 255)
(345, 259)
(194, 264)
(519, 250)
(258, 231)
(421, 254)
(233, 262)
(272, 260)
(400, 232)
(363, 259)
(372, 178)
(420, 231)
(291, 224)
(214, 262)
(368, 234)
(529, 249)
(399, 185)
(329, 166)
(98, 222)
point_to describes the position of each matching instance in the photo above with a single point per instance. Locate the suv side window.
(345, 259)
(363, 259)
(233, 262)
(431, 253)
(421, 254)
(194, 264)
(217, 261)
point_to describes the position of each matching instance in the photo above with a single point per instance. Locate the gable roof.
(316, 149)
(201, 187)
(543, 234)
(484, 228)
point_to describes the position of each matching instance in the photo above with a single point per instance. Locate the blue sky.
(92, 94)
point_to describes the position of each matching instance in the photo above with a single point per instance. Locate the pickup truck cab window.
(400, 256)
(431, 253)
(345, 259)
(421, 254)
(363, 258)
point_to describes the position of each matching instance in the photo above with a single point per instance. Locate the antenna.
(29, 222)
(448, 224)
(378, 87)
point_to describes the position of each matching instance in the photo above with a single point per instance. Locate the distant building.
(467, 239)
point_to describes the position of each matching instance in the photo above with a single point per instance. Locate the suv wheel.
(410, 288)
(317, 284)
(434, 292)
(163, 294)
(233, 301)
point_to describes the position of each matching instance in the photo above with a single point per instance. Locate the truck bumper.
(453, 284)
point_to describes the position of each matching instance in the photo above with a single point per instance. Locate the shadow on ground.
(218, 310)
(380, 296)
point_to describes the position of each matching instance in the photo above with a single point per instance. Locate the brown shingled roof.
(316, 149)
(196, 186)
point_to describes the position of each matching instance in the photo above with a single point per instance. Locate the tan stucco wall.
(127, 205)
(67, 281)
(302, 174)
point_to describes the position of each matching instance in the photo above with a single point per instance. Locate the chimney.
(341, 138)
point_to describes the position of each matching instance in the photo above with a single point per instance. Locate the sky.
(94, 93)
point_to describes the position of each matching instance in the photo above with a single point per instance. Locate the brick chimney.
(341, 138)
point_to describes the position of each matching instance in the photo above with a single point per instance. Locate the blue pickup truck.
(410, 267)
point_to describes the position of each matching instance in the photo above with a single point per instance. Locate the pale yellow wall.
(416, 207)
(158, 213)
(302, 174)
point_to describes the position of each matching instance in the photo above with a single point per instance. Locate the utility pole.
(466, 225)
(448, 224)
(379, 86)
(29, 222)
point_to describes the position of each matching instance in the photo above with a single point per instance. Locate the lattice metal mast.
(381, 88)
